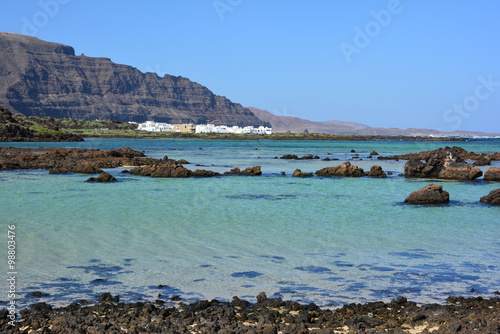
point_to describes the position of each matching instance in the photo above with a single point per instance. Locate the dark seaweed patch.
(101, 270)
(248, 274)
(275, 259)
(383, 269)
(103, 281)
(343, 264)
(333, 279)
(477, 268)
(168, 290)
(314, 269)
(65, 279)
(410, 255)
(356, 287)
(69, 285)
(264, 197)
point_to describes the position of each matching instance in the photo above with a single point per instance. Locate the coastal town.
(202, 128)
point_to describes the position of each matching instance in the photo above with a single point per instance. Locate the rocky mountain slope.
(39, 78)
(14, 129)
(295, 124)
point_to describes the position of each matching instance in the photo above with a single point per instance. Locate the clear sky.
(389, 63)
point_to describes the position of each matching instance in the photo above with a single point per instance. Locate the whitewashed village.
(203, 128)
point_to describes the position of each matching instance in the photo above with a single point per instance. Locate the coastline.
(267, 315)
(178, 323)
(274, 136)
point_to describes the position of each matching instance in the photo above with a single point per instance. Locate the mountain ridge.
(39, 78)
(296, 124)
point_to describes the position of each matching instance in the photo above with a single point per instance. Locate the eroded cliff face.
(39, 78)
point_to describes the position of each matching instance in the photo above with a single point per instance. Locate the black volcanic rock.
(345, 169)
(493, 197)
(39, 78)
(430, 194)
(442, 164)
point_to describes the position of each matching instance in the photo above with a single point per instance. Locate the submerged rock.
(345, 169)
(430, 194)
(492, 174)
(493, 197)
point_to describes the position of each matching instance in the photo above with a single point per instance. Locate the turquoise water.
(326, 240)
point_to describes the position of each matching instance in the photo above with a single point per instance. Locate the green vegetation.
(64, 128)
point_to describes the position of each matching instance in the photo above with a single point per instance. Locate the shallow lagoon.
(326, 240)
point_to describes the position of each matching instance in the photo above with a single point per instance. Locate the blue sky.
(392, 63)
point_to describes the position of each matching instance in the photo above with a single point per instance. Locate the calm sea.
(326, 240)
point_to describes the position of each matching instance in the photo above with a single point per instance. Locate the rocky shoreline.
(267, 316)
(440, 164)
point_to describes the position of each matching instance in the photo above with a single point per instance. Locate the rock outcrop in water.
(462, 153)
(39, 78)
(493, 197)
(343, 170)
(103, 177)
(298, 173)
(430, 194)
(296, 157)
(442, 164)
(250, 171)
(492, 174)
(376, 171)
(63, 160)
(161, 171)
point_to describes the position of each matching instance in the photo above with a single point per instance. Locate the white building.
(206, 128)
(155, 127)
(211, 128)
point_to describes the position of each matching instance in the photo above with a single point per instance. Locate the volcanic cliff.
(39, 78)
